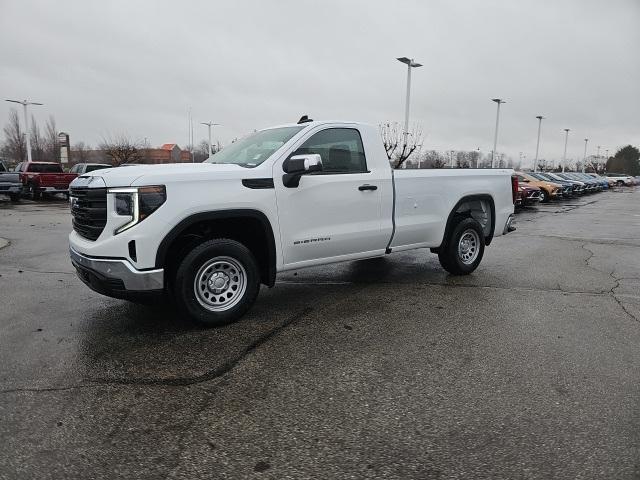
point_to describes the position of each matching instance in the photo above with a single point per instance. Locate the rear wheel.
(544, 196)
(33, 192)
(464, 248)
(217, 282)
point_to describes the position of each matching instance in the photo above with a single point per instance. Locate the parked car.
(569, 188)
(527, 195)
(283, 198)
(44, 177)
(587, 185)
(10, 183)
(82, 168)
(548, 190)
(600, 184)
(604, 183)
(619, 179)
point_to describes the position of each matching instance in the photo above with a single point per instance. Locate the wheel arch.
(464, 208)
(248, 226)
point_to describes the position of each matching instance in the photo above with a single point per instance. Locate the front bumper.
(116, 277)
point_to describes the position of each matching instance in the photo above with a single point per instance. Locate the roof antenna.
(305, 119)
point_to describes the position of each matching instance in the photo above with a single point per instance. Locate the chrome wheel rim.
(220, 283)
(468, 246)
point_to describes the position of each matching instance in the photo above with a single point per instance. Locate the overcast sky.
(105, 67)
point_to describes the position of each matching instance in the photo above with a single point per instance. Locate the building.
(167, 153)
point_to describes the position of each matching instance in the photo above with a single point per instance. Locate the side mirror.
(299, 165)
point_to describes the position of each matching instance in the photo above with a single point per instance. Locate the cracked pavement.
(384, 368)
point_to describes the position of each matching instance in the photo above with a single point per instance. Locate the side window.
(74, 169)
(341, 150)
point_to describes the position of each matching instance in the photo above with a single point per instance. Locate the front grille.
(89, 210)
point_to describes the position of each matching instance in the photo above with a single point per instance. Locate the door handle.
(362, 188)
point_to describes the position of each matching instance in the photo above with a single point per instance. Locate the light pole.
(566, 139)
(210, 125)
(24, 103)
(410, 64)
(535, 162)
(584, 159)
(495, 138)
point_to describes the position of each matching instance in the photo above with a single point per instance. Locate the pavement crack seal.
(616, 281)
(615, 297)
(52, 272)
(216, 372)
(179, 381)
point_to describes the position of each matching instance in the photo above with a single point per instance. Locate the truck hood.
(166, 173)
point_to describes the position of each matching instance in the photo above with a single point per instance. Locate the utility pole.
(25, 103)
(566, 139)
(535, 162)
(584, 159)
(210, 125)
(410, 64)
(495, 138)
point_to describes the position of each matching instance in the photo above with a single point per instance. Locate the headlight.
(137, 203)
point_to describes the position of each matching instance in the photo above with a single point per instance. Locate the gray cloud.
(136, 67)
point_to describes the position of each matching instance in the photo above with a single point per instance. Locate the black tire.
(450, 255)
(620, 183)
(227, 260)
(14, 197)
(32, 192)
(544, 196)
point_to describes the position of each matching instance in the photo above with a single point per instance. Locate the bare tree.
(121, 149)
(432, 159)
(80, 153)
(52, 148)
(14, 142)
(463, 159)
(37, 141)
(201, 152)
(474, 158)
(400, 147)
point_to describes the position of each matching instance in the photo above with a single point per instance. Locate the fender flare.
(187, 222)
(449, 224)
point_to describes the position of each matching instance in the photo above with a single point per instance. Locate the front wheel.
(544, 196)
(464, 248)
(14, 197)
(217, 282)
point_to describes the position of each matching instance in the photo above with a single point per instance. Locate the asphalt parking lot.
(386, 368)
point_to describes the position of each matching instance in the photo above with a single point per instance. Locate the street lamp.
(24, 103)
(210, 125)
(584, 159)
(535, 164)
(566, 139)
(410, 64)
(495, 138)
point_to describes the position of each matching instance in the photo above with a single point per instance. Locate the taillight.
(514, 188)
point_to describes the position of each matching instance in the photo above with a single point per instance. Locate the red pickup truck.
(44, 177)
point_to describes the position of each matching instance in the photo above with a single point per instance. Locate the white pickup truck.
(283, 198)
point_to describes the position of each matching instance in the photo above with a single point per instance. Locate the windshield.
(254, 149)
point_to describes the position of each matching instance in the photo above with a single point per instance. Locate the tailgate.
(57, 180)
